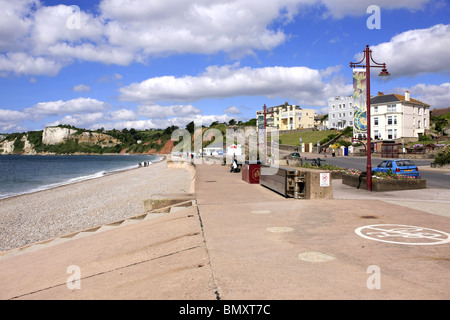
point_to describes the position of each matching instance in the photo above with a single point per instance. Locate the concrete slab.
(163, 258)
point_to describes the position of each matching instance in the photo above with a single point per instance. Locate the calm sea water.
(24, 174)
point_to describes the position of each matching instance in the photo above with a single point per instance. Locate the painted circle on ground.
(403, 234)
(314, 256)
(280, 229)
(260, 211)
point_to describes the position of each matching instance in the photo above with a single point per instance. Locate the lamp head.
(384, 73)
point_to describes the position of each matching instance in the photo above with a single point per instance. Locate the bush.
(443, 157)
(18, 145)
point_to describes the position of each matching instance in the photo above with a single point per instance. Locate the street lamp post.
(265, 134)
(265, 130)
(368, 58)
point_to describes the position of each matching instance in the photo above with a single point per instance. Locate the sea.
(21, 174)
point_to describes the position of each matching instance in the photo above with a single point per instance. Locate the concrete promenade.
(243, 241)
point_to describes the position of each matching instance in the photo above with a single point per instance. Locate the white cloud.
(161, 112)
(109, 78)
(437, 96)
(415, 52)
(141, 124)
(16, 19)
(75, 106)
(232, 110)
(36, 39)
(8, 117)
(302, 84)
(21, 63)
(121, 114)
(84, 120)
(202, 26)
(81, 88)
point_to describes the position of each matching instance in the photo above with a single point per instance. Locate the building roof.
(385, 98)
(440, 112)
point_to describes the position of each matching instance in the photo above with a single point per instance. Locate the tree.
(190, 127)
(232, 122)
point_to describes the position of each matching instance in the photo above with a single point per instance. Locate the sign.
(402, 234)
(359, 103)
(325, 179)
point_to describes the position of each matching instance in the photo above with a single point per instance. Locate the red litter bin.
(251, 172)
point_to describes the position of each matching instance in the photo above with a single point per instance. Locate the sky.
(146, 64)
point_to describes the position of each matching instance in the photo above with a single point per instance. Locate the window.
(375, 109)
(395, 133)
(375, 121)
(418, 124)
(389, 120)
(351, 123)
(375, 133)
(389, 133)
(351, 114)
(391, 107)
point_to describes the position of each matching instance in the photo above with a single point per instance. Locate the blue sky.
(151, 64)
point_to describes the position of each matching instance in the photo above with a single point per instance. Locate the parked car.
(295, 154)
(403, 167)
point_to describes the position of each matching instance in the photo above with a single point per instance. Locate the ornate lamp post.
(384, 73)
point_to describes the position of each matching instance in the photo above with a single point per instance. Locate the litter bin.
(251, 172)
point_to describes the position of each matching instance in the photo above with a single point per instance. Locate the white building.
(340, 112)
(395, 116)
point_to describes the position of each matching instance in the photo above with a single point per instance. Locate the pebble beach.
(43, 215)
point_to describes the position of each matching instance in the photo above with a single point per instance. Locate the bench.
(316, 162)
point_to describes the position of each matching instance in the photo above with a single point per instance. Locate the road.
(435, 179)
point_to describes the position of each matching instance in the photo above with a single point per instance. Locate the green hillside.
(293, 138)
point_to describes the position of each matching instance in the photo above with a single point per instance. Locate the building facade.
(286, 117)
(340, 112)
(395, 116)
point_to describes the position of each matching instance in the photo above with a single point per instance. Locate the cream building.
(395, 116)
(286, 117)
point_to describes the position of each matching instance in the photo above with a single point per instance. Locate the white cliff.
(28, 148)
(7, 147)
(55, 135)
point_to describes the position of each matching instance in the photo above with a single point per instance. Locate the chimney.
(407, 96)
